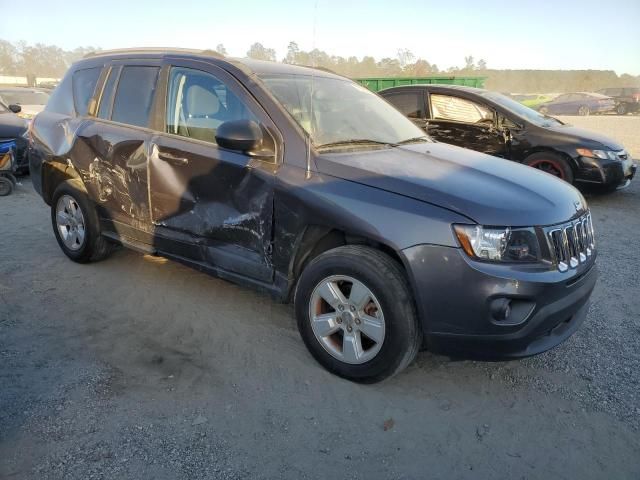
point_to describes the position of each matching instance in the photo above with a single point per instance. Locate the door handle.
(178, 161)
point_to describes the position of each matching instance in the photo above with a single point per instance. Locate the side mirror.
(15, 108)
(246, 136)
(239, 135)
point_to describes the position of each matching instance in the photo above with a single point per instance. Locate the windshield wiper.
(356, 141)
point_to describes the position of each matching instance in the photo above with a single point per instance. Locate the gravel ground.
(141, 368)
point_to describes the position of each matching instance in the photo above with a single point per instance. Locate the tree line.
(39, 60)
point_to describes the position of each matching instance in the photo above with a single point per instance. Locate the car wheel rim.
(550, 167)
(347, 319)
(70, 222)
(583, 111)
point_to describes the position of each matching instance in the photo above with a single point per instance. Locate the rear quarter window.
(134, 95)
(84, 85)
(61, 100)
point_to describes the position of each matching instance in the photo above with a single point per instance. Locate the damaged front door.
(212, 205)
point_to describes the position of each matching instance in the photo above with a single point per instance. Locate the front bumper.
(610, 173)
(455, 296)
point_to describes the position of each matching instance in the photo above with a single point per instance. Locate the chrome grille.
(571, 243)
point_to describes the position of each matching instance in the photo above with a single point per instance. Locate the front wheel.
(621, 109)
(584, 111)
(551, 163)
(76, 225)
(356, 314)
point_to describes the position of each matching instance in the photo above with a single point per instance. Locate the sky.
(526, 34)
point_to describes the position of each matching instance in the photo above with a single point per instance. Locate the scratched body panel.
(216, 196)
(112, 160)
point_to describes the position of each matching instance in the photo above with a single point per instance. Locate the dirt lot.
(140, 368)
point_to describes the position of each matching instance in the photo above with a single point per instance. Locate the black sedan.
(12, 137)
(492, 123)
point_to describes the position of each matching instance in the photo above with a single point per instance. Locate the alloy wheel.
(549, 166)
(347, 319)
(70, 222)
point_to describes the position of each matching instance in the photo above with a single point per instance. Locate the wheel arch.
(53, 174)
(316, 239)
(573, 163)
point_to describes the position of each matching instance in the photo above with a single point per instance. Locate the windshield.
(522, 111)
(342, 111)
(24, 98)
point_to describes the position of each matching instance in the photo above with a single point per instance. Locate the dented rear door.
(116, 145)
(215, 204)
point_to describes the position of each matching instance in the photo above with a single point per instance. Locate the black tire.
(551, 163)
(584, 111)
(385, 278)
(543, 110)
(95, 247)
(6, 186)
(621, 109)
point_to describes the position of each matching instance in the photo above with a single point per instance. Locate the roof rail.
(144, 50)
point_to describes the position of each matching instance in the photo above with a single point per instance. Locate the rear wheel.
(356, 314)
(621, 109)
(76, 226)
(551, 163)
(543, 110)
(584, 111)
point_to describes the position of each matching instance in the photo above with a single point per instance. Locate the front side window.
(134, 95)
(84, 84)
(333, 110)
(409, 103)
(456, 109)
(198, 103)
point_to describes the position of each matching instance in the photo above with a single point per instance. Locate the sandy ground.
(140, 368)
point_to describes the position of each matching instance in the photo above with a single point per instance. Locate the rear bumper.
(455, 297)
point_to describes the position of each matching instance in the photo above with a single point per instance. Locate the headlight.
(499, 244)
(602, 154)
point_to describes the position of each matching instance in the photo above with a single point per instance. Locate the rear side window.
(409, 103)
(106, 98)
(134, 95)
(84, 84)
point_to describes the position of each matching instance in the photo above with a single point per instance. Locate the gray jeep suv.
(306, 185)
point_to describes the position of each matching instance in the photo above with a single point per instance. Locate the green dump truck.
(377, 84)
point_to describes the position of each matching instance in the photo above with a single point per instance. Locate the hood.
(11, 125)
(486, 189)
(583, 137)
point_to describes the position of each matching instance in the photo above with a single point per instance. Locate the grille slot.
(571, 243)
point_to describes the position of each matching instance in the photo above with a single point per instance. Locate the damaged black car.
(308, 186)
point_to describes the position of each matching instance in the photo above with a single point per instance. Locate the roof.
(259, 67)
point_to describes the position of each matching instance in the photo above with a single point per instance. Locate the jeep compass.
(303, 184)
